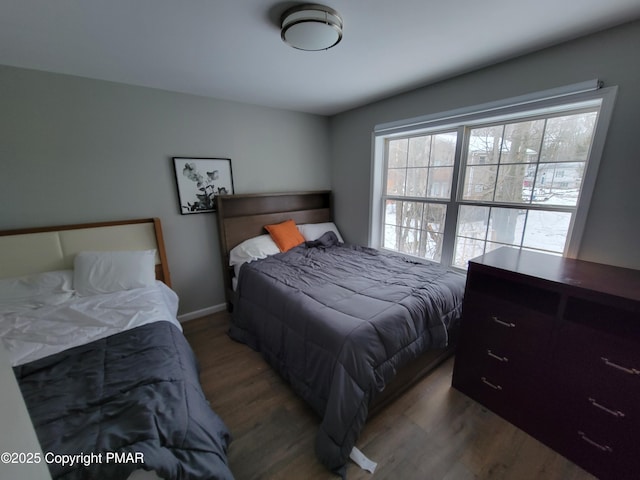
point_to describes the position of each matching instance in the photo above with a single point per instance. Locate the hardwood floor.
(432, 432)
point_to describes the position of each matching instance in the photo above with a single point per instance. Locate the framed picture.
(200, 180)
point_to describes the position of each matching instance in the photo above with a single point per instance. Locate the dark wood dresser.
(553, 345)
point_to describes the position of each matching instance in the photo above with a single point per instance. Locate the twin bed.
(348, 327)
(89, 321)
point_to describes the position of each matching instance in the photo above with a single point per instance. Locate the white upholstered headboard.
(35, 250)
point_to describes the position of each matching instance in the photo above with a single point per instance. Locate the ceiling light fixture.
(311, 27)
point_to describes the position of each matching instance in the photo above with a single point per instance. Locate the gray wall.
(77, 150)
(612, 231)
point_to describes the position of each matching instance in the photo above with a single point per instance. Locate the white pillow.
(105, 272)
(252, 249)
(36, 290)
(313, 231)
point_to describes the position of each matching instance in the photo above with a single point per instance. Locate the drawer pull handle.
(504, 324)
(615, 413)
(630, 371)
(604, 448)
(497, 357)
(495, 387)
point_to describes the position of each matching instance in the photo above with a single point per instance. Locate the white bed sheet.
(30, 334)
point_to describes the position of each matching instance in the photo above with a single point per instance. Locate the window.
(519, 176)
(418, 169)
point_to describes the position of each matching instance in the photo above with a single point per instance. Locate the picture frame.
(199, 180)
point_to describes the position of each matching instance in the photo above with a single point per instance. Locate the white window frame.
(546, 102)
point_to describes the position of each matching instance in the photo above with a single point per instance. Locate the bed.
(88, 318)
(349, 327)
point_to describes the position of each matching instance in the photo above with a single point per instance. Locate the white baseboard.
(201, 313)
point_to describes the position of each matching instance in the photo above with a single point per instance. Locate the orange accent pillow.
(286, 235)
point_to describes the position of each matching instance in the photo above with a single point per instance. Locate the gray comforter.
(337, 321)
(137, 391)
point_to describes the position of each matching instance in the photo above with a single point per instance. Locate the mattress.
(32, 333)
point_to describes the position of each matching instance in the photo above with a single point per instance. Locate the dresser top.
(618, 281)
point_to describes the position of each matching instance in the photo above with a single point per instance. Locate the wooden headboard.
(241, 217)
(34, 250)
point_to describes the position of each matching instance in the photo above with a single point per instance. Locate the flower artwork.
(200, 180)
(205, 186)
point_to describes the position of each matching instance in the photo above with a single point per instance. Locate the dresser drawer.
(521, 400)
(604, 446)
(601, 366)
(502, 323)
(504, 361)
(603, 401)
(604, 421)
(491, 389)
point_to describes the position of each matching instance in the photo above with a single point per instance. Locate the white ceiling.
(231, 49)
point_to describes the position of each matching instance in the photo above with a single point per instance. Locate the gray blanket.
(137, 391)
(337, 321)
